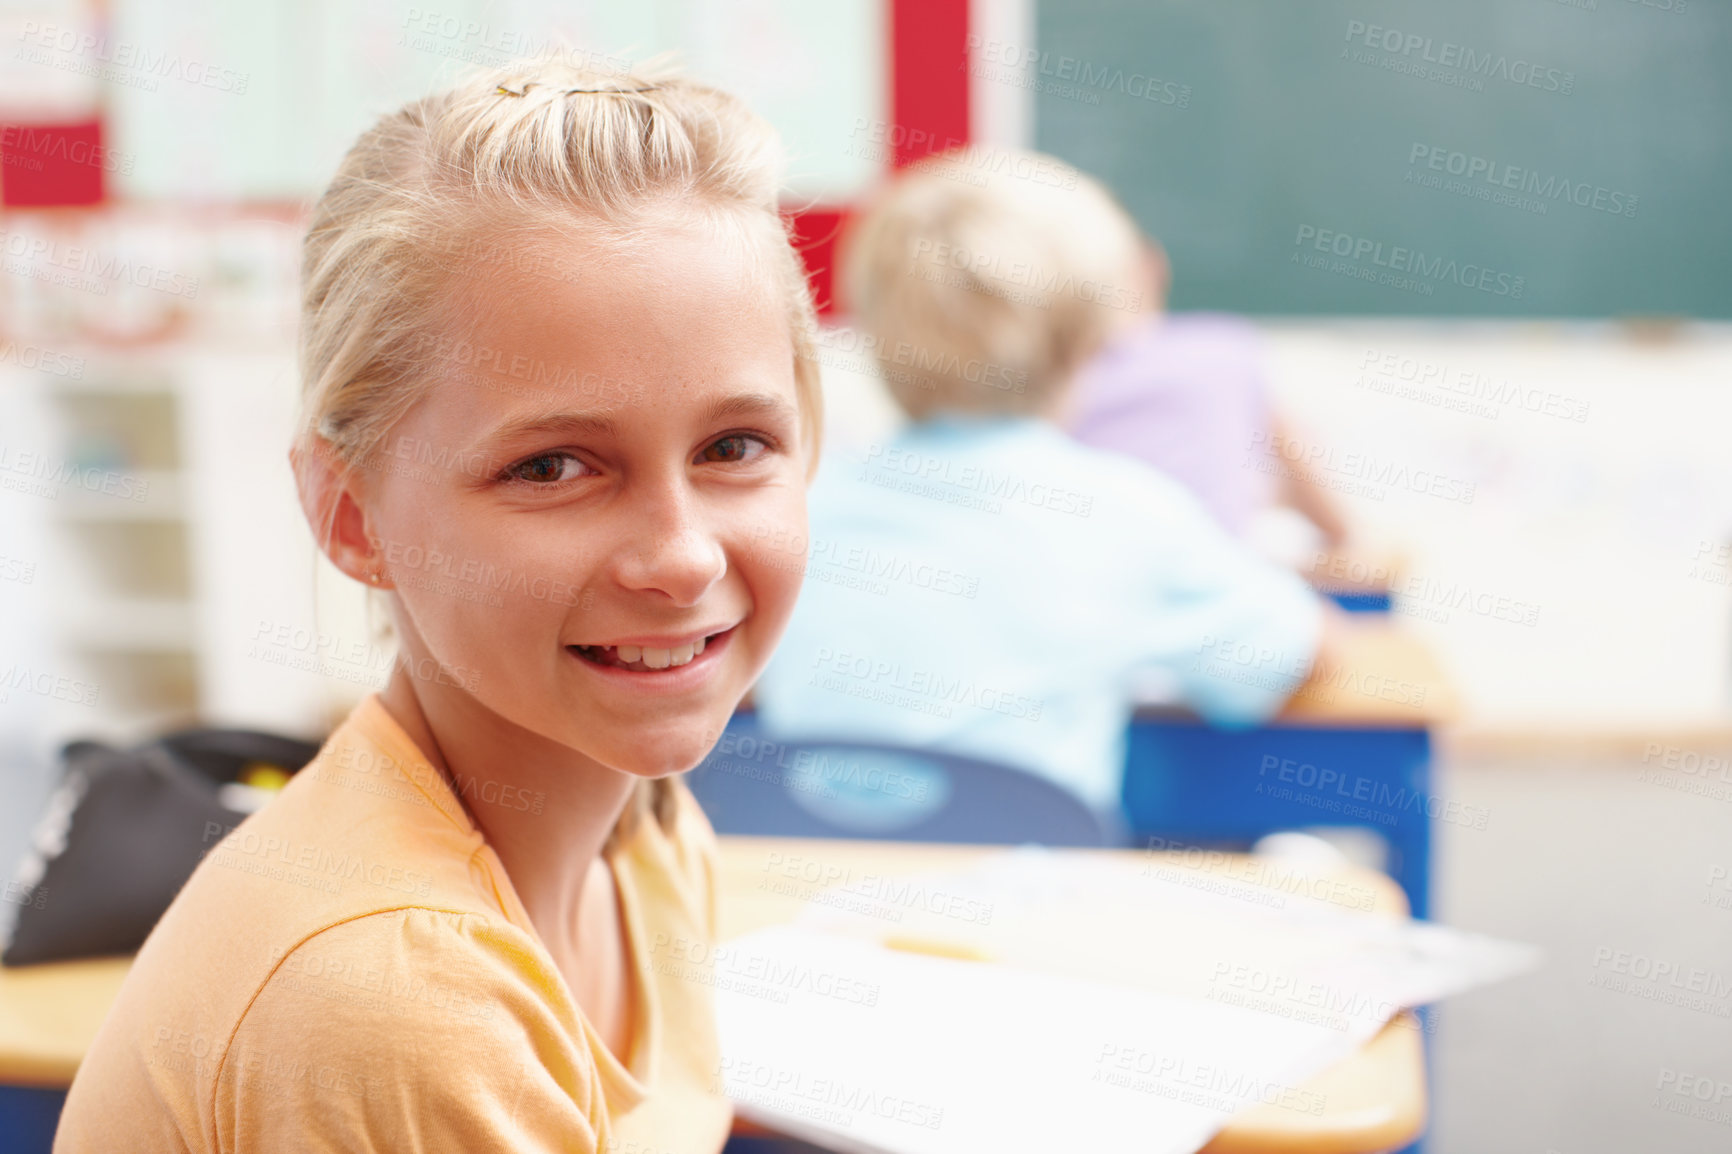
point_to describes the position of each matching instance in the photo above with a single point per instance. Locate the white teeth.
(654, 658)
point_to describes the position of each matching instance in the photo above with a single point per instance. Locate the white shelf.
(124, 727)
(118, 381)
(129, 625)
(161, 499)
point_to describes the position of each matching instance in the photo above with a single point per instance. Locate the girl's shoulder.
(345, 941)
(380, 1027)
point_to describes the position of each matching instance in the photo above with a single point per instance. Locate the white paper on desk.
(875, 1051)
(1253, 939)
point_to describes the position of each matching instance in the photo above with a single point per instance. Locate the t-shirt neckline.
(623, 1085)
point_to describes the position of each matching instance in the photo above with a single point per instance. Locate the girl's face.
(575, 519)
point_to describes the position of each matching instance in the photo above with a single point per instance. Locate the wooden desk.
(1375, 1100)
(1357, 569)
(1374, 675)
(49, 1015)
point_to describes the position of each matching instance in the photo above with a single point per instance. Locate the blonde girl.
(556, 384)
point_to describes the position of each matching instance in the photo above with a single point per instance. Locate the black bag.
(121, 835)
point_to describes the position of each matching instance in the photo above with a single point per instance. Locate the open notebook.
(1085, 1027)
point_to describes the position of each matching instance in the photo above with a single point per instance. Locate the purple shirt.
(1185, 393)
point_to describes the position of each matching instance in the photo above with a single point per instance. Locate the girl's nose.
(669, 550)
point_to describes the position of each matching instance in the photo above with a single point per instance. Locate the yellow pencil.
(961, 951)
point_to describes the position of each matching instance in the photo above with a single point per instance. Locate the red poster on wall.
(54, 165)
(928, 90)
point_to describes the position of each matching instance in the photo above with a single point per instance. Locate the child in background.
(1188, 393)
(555, 375)
(1180, 393)
(980, 582)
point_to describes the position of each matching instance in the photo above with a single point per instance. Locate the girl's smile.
(668, 664)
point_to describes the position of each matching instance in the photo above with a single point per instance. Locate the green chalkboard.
(1455, 157)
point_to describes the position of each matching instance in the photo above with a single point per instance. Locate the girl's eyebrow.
(594, 424)
(601, 425)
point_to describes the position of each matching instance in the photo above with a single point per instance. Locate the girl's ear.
(1157, 274)
(330, 499)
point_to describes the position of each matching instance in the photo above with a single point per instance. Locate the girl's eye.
(549, 468)
(735, 448)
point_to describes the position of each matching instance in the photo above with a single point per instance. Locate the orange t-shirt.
(351, 969)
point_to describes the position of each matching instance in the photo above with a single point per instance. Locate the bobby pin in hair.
(502, 90)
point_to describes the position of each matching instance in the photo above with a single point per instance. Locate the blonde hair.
(508, 153)
(987, 277)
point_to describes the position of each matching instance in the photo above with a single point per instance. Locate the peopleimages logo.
(995, 275)
(41, 359)
(42, 258)
(1500, 176)
(1372, 475)
(22, 142)
(1084, 80)
(1412, 50)
(120, 61)
(930, 474)
(1411, 261)
(1461, 389)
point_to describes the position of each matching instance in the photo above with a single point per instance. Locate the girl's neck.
(545, 810)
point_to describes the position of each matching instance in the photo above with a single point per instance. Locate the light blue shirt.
(990, 587)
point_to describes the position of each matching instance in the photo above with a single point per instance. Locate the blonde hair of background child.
(499, 159)
(988, 276)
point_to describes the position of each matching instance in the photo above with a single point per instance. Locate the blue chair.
(28, 1117)
(751, 784)
(1361, 601)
